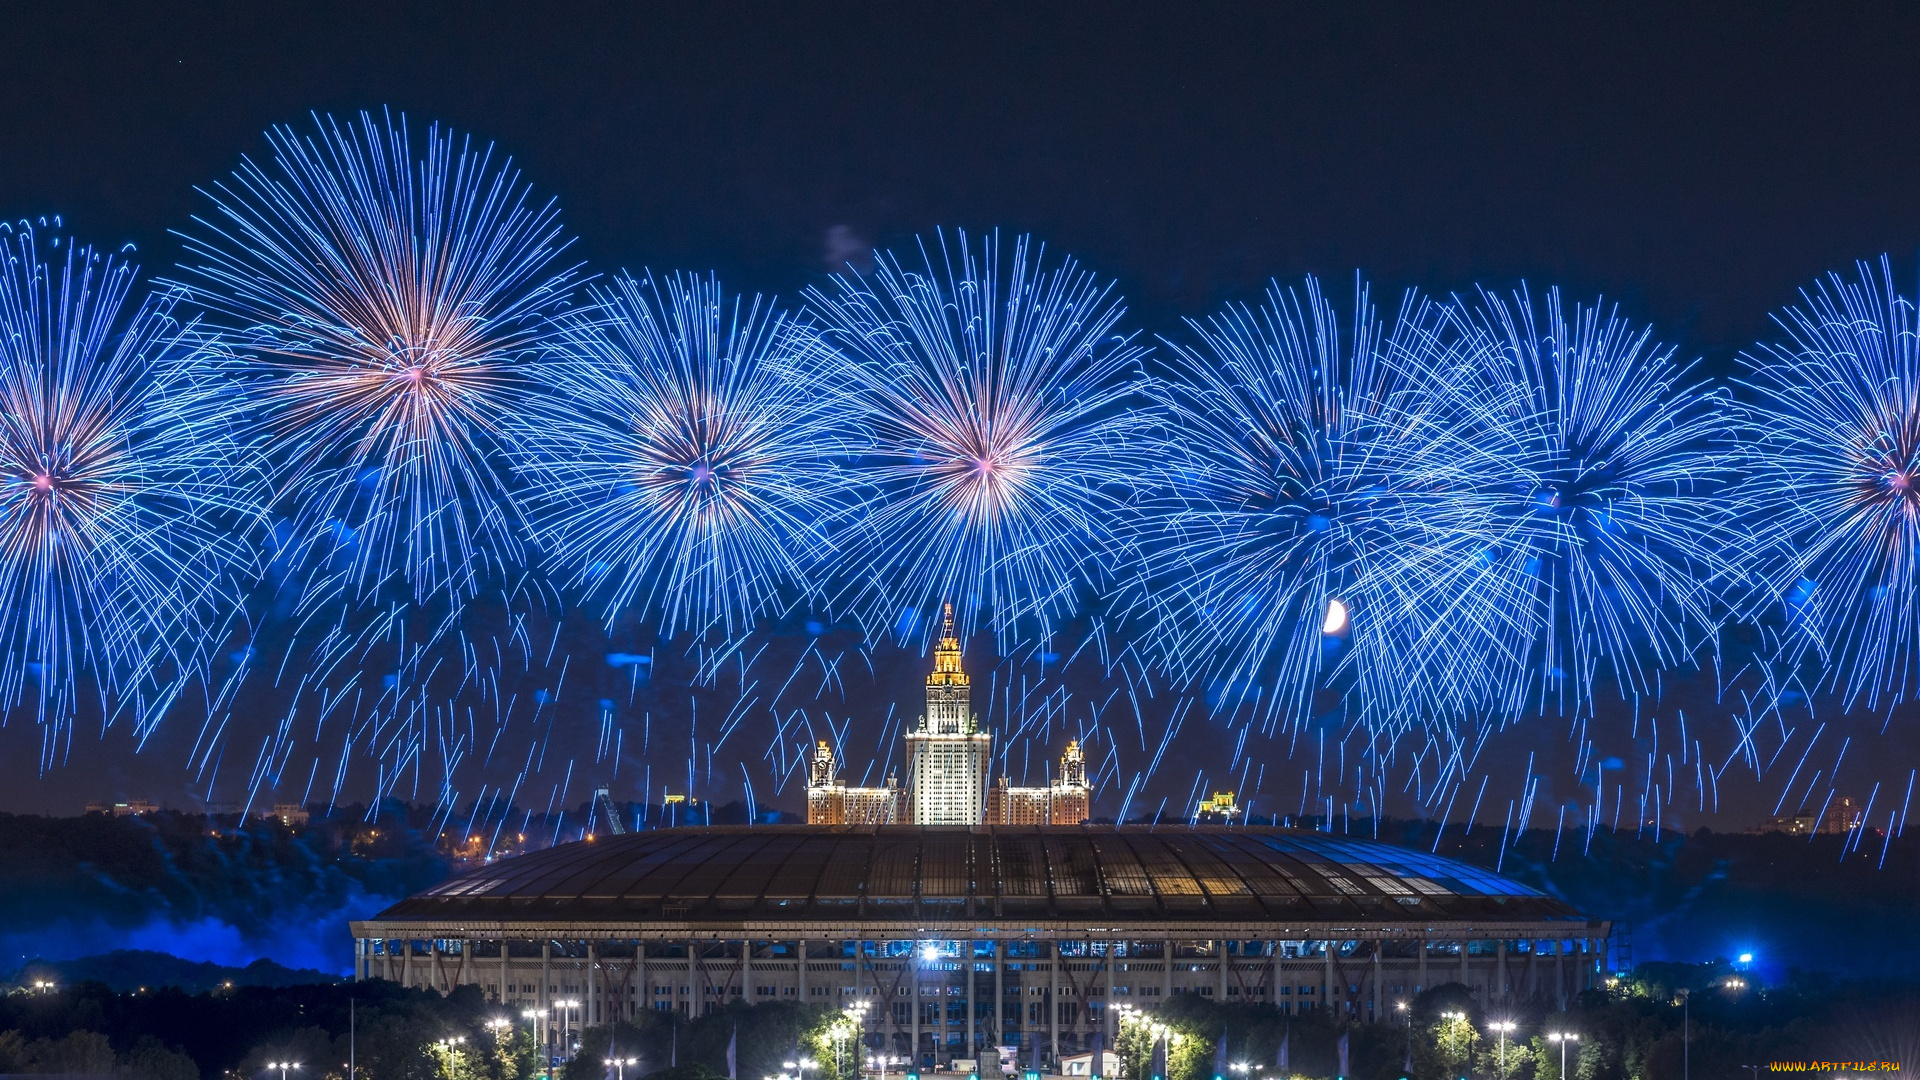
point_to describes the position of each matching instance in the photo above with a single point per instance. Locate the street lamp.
(283, 1066)
(1453, 1020)
(1406, 1025)
(566, 1025)
(1502, 1027)
(879, 1063)
(451, 1046)
(1563, 1038)
(536, 1026)
(620, 1066)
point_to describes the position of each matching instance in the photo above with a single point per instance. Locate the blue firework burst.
(1308, 535)
(1832, 501)
(123, 510)
(1610, 463)
(383, 296)
(681, 468)
(985, 400)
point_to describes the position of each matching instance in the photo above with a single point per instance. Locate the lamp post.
(1406, 1025)
(283, 1066)
(879, 1062)
(536, 1020)
(566, 1025)
(451, 1046)
(1563, 1038)
(620, 1066)
(1502, 1027)
(1453, 1023)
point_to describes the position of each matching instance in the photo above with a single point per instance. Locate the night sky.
(1697, 165)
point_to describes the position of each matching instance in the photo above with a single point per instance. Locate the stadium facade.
(998, 919)
(970, 937)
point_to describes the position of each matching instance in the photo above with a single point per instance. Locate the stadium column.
(359, 959)
(800, 971)
(1107, 1011)
(1500, 972)
(1376, 982)
(1326, 979)
(406, 962)
(1166, 969)
(466, 955)
(999, 1026)
(966, 958)
(505, 971)
(746, 970)
(546, 988)
(1220, 972)
(1053, 1001)
(1465, 979)
(1273, 984)
(695, 990)
(591, 1017)
(1422, 984)
(1560, 972)
(913, 964)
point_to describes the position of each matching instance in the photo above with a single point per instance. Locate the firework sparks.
(987, 402)
(383, 297)
(1307, 536)
(682, 466)
(123, 514)
(1608, 465)
(1833, 497)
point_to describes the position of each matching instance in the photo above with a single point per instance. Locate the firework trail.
(1609, 467)
(986, 401)
(1307, 535)
(680, 469)
(123, 514)
(383, 297)
(1833, 495)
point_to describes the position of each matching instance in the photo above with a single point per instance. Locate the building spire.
(946, 657)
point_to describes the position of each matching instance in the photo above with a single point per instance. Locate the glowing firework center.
(962, 936)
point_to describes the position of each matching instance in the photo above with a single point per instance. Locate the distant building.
(130, 808)
(948, 757)
(1067, 801)
(1841, 816)
(292, 815)
(1220, 808)
(830, 802)
(947, 753)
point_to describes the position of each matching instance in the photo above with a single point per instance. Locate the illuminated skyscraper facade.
(948, 758)
(947, 753)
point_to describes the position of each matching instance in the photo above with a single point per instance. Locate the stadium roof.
(1134, 877)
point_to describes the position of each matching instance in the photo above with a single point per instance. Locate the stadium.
(964, 938)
